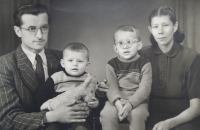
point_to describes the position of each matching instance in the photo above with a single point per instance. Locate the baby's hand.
(119, 107)
(94, 103)
(126, 109)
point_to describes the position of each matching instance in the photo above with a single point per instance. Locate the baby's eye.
(128, 41)
(70, 60)
(155, 27)
(165, 25)
(80, 61)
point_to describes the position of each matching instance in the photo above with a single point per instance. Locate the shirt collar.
(172, 52)
(31, 55)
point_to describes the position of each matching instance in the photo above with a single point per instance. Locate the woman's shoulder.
(191, 56)
(190, 53)
(145, 51)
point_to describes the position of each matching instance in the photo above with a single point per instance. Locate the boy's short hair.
(78, 47)
(128, 28)
(29, 9)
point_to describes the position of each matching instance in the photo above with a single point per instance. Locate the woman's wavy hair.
(162, 11)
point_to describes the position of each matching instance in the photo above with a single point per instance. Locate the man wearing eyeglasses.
(25, 69)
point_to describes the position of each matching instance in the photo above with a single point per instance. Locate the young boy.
(129, 80)
(75, 62)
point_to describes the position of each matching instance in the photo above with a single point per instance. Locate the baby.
(72, 84)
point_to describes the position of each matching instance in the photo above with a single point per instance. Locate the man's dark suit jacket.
(18, 82)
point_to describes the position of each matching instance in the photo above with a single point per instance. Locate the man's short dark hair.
(29, 9)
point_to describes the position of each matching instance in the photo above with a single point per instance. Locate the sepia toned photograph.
(99, 65)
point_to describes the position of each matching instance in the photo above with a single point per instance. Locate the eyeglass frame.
(35, 32)
(129, 46)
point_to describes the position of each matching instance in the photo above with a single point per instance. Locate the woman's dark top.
(176, 80)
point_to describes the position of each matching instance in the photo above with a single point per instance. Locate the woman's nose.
(160, 30)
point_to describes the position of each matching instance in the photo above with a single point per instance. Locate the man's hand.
(94, 103)
(102, 89)
(67, 114)
(119, 107)
(45, 105)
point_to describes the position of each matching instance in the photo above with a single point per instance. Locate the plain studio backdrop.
(93, 23)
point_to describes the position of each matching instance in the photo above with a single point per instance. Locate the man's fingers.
(77, 120)
(102, 90)
(79, 113)
(105, 81)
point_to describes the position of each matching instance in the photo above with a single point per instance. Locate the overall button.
(163, 66)
(163, 74)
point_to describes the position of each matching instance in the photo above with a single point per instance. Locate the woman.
(175, 96)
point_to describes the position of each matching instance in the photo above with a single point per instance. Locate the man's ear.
(149, 27)
(62, 63)
(17, 31)
(115, 48)
(88, 64)
(140, 45)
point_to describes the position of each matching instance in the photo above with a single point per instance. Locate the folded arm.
(144, 89)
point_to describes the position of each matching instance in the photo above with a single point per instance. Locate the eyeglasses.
(33, 30)
(128, 44)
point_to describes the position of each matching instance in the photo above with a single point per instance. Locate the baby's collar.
(72, 75)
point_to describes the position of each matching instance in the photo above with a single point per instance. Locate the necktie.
(39, 69)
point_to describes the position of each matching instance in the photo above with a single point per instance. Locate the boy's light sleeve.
(144, 89)
(113, 88)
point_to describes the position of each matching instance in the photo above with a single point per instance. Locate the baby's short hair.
(129, 28)
(78, 47)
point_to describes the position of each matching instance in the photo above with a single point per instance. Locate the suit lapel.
(27, 73)
(53, 63)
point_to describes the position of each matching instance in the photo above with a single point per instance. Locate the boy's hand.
(94, 103)
(119, 107)
(102, 88)
(126, 109)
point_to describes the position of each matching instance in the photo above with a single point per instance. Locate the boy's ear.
(140, 45)
(17, 31)
(88, 64)
(62, 63)
(149, 27)
(115, 48)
